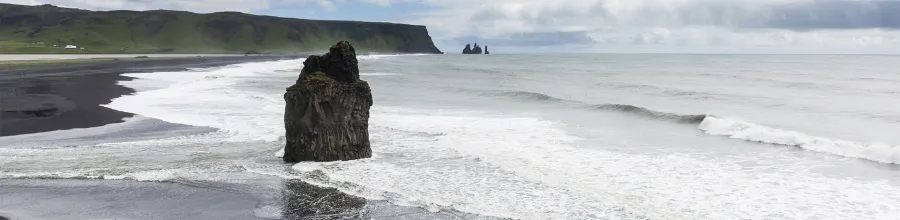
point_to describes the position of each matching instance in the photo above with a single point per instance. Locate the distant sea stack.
(474, 49)
(35, 29)
(327, 113)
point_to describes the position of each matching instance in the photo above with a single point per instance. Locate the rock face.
(486, 51)
(327, 112)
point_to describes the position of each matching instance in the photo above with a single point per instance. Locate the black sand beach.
(126, 199)
(119, 199)
(66, 96)
(49, 97)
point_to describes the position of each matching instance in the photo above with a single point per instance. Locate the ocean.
(565, 136)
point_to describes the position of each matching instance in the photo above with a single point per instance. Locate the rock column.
(327, 112)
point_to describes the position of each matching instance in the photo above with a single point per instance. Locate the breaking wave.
(747, 131)
(742, 130)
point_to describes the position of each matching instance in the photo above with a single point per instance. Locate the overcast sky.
(659, 26)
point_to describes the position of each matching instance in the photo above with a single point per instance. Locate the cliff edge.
(327, 113)
(52, 29)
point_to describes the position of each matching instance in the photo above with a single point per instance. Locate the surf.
(735, 129)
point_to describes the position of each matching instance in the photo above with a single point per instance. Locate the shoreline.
(78, 90)
(61, 96)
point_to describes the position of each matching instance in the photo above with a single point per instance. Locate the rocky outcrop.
(476, 49)
(473, 49)
(327, 112)
(486, 50)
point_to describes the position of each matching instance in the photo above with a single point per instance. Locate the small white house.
(71, 47)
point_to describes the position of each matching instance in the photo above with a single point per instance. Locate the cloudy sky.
(629, 26)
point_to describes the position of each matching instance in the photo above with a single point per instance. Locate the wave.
(665, 91)
(631, 109)
(512, 167)
(531, 96)
(645, 112)
(747, 131)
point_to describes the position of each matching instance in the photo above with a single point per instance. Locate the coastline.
(78, 90)
(60, 96)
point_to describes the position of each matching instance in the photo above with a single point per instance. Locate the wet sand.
(27, 199)
(52, 97)
(119, 199)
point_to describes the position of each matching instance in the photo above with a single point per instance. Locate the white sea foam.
(280, 153)
(209, 98)
(743, 130)
(523, 167)
(506, 166)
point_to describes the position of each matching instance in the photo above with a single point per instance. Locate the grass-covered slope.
(24, 28)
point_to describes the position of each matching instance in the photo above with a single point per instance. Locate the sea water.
(529, 136)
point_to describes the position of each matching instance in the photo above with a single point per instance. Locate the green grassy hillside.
(36, 29)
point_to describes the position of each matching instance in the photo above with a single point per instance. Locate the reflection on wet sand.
(306, 201)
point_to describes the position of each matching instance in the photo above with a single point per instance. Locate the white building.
(71, 47)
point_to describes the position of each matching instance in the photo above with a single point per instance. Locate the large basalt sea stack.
(327, 112)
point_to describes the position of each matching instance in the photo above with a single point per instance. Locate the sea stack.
(468, 49)
(327, 113)
(473, 49)
(476, 49)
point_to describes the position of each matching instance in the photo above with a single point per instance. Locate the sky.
(594, 26)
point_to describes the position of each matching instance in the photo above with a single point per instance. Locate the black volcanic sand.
(122, 199)
(126, 199)
(65, 96)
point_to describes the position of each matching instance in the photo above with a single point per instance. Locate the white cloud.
(683, 25)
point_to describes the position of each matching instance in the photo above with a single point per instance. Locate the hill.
(36, 29)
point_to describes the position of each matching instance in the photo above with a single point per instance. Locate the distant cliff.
(49, 29)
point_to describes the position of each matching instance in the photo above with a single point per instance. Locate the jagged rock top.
(473, 49)
(339, 63)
